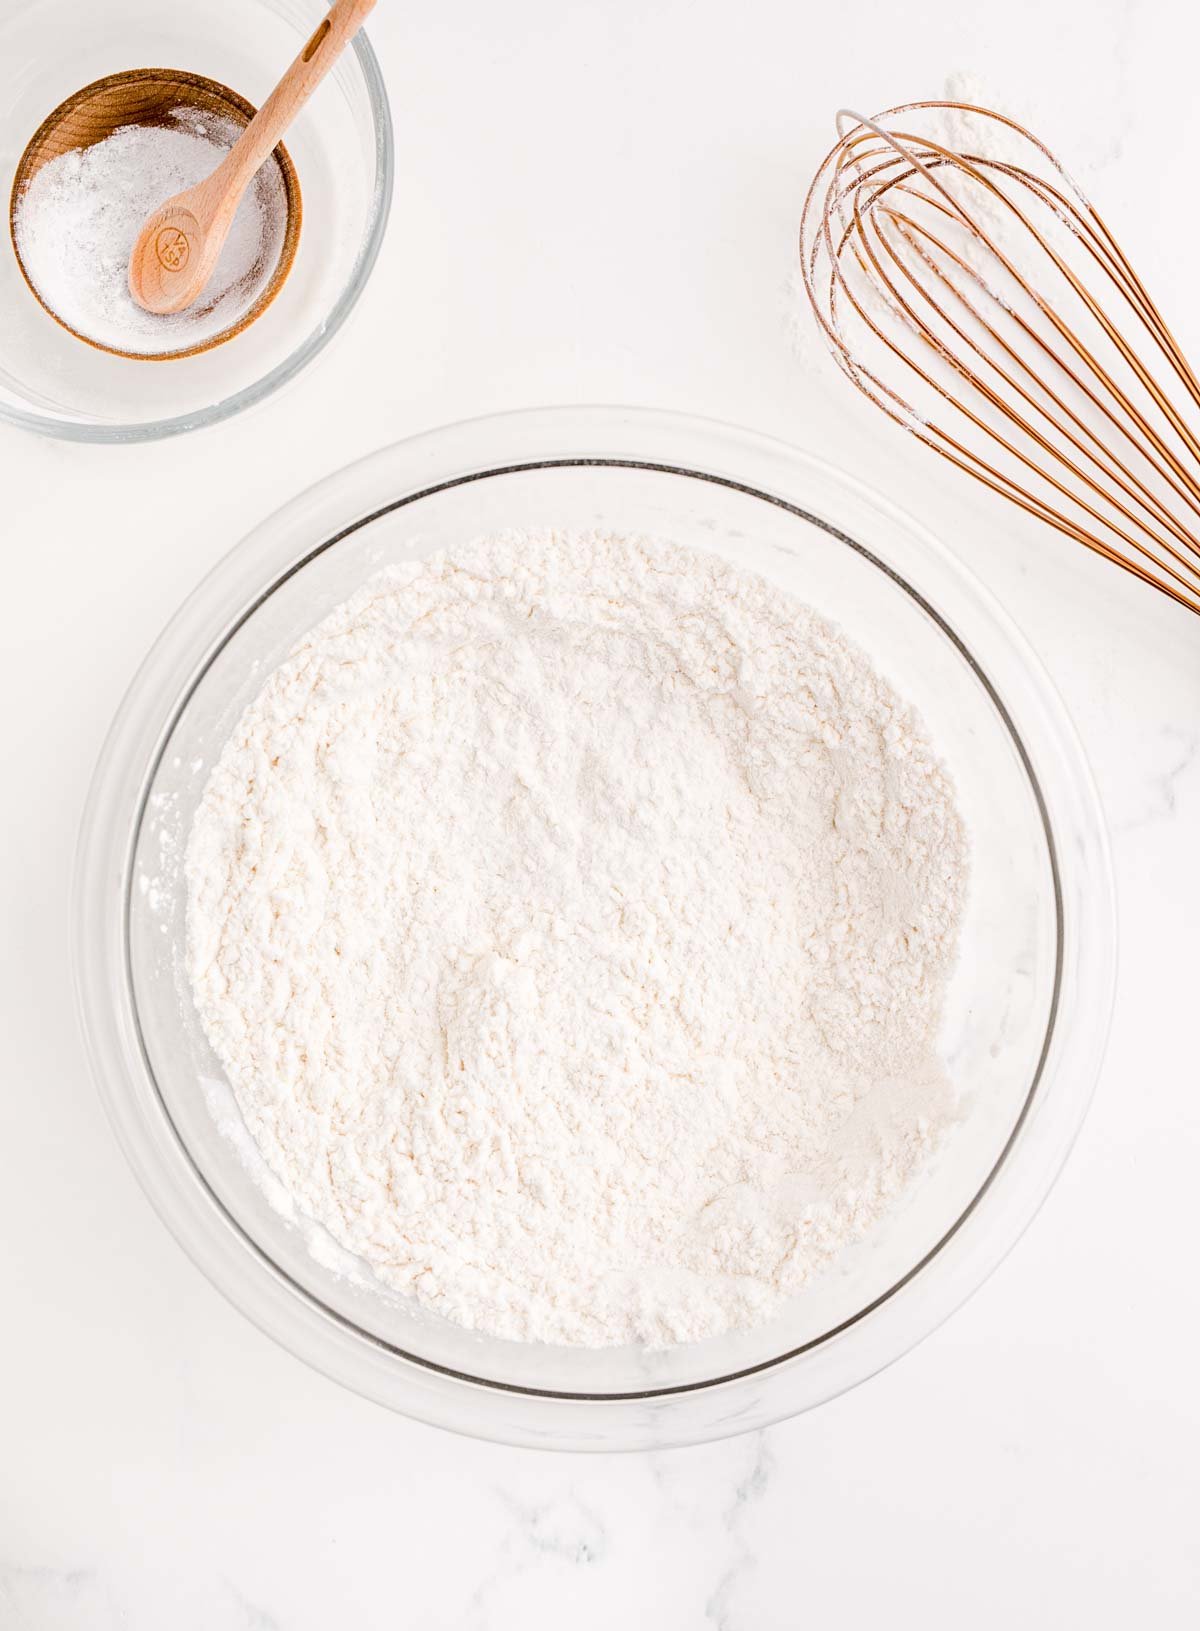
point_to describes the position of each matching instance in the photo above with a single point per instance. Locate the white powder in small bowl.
(77, 220)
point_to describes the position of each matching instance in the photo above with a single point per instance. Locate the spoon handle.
(260, 137)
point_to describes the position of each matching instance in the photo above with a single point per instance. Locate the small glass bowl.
(340, 143)
(1028, 1008)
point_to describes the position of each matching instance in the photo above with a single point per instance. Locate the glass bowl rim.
(313, 343)
(429, 463)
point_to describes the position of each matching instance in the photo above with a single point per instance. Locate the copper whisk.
(967, 286)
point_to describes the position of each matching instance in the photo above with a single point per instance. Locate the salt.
(78, 218)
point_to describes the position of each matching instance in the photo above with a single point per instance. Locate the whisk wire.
(915, 252)
(1082, 434)
(906, 223)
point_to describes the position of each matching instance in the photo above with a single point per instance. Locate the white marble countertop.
(597, 203)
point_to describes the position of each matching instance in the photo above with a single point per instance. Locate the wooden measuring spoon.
(179, 243)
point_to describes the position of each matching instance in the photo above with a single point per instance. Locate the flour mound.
(572, 916)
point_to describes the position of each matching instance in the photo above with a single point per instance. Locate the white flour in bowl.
(572, 917)
(77, 221)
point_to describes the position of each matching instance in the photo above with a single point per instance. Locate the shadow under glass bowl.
(340, 144)
(1029, 1004)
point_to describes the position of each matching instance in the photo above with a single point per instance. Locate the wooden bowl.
(149, 96)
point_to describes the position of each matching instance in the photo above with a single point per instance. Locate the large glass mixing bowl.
(1029, 1004)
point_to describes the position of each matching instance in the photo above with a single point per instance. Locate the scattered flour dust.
(78, 219)
(572, 915)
